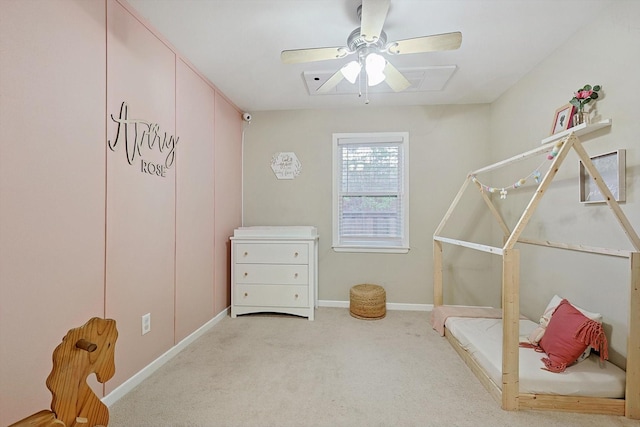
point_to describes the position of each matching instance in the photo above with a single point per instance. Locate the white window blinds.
(370, 196)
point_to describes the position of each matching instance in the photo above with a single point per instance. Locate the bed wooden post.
(511, 329)
(541, 191)
(510, 396)
(494, 212)
(437, 273)
(609, 198)
(632, 396)
(437, 246)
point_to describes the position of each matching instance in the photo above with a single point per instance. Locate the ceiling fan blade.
(447, 41)
(297, 56)
(395, 79)
(373, 15)
(332, 82)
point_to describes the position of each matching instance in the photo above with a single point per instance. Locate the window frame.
(375, 245)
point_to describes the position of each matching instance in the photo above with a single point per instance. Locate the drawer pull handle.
(246, 253)
(246, 294)
(296, 296)
(295, 254)
(246, 274)
(295, 275)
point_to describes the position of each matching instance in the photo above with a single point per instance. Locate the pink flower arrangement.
(584, 96)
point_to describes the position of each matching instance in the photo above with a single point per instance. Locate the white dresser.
(274, 269)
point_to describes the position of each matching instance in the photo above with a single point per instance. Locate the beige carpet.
(278, 370)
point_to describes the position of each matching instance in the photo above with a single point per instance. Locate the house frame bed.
(508, 395)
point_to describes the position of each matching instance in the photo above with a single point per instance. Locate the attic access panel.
(423, 79)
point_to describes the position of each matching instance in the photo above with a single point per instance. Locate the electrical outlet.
(146, 323)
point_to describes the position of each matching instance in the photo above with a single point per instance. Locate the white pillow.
(555, 302)
(536, 335)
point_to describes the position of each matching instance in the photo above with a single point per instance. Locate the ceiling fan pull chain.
(360, 79)
(366, 90)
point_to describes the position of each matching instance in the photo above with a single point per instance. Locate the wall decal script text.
(139, 135)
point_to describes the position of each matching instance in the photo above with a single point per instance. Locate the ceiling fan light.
(351, 71)
(374, 65)
(375, 78)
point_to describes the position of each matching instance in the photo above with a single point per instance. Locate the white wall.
(445, 144)
(605, 53)
(448, 142)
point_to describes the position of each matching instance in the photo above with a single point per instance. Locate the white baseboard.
(390, 305)
(146, 372)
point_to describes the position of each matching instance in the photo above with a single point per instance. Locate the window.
(370, 192)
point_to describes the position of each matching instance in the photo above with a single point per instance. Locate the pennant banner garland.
(519, 183)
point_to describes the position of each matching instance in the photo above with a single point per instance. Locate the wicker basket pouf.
(367, 302)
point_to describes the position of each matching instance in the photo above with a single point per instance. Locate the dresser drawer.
(277, 274)
(271, 295)
(274, 269)
(271, 253)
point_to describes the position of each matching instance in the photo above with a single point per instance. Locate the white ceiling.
(236, 44)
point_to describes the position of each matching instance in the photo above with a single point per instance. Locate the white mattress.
(482, 338)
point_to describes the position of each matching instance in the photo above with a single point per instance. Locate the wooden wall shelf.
(579, 130)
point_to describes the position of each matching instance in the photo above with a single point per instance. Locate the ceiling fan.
(369, 43)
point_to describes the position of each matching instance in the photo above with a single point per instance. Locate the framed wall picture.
(562, 119)
(612, 168)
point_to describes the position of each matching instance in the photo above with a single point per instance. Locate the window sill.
(371, 249)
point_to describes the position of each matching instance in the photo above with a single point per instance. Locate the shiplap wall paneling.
(52, 155)
(140, 248)
(195, 103)
(228, 193)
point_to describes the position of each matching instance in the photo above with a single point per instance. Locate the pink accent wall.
(228, 184)
(84, 233)
(140, 203)
(52, 178)
(195, 208)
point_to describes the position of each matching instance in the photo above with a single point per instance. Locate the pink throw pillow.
(568, 334)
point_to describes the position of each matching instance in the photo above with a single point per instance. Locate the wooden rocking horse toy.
(83, 351)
